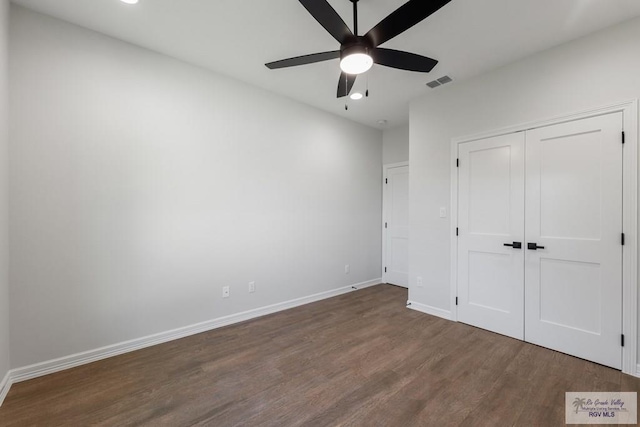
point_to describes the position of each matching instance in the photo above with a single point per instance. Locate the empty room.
(319, 212)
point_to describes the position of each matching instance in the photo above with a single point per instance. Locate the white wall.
(142, 185)
(595, 71)
(4, 240)
(395, 145)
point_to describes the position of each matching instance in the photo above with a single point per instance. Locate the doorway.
(395, 227)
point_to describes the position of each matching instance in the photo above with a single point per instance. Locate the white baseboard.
(434, 311)
(60, 364)
(5, 385)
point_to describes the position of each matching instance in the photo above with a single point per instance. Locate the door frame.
(629, 110)
(385, 171)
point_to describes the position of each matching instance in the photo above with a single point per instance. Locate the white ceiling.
(236, 38)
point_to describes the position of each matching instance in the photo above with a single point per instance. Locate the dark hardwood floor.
(360, 359)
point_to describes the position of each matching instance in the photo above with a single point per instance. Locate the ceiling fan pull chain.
(346, 84)
(366, 93)
(346, 91)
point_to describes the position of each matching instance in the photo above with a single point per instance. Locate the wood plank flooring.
(360, 359)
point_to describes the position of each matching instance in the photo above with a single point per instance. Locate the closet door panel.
(491, 214)
(573, 271)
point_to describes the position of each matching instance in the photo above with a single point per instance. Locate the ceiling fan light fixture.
(356, 63)
(355, 60)
(356, 96)
(129, 1)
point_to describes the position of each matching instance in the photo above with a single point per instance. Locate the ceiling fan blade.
(403, 18)
(403, 60)
(305, 59)
(328, 18)
(345, 84)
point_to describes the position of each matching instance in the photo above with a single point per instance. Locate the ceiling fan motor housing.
(359, 45)
(355, 57)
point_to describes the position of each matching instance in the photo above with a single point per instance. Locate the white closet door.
(396, 200)
(490, 215)
(574, 213)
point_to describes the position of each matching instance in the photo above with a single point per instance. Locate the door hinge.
(457, 231)
(457, 163)
(622, 239)
(385, 269)
(623, 137)
(456, 300)
(622, 340)
(385, 225)
(386, 180)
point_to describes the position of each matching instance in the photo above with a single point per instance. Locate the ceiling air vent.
(439, 82)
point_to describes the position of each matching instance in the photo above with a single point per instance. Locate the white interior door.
(396, 231)
(490, 215)
(573, 295)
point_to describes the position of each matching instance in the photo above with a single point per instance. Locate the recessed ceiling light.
(382, 122)
(129, 1)
(356, 96)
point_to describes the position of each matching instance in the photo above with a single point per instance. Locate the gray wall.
(4, 240)
(395, 145)
(591, 72)
(142, 185)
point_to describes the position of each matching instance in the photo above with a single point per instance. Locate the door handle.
(514, 245)
(534, 246)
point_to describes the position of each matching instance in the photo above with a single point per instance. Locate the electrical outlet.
(225, 292)
(443, 212)
(347, 269)
(419, 281)
(252, 287)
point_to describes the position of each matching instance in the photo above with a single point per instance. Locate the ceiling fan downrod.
(355, 17)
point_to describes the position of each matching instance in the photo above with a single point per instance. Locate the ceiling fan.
(358, 53)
